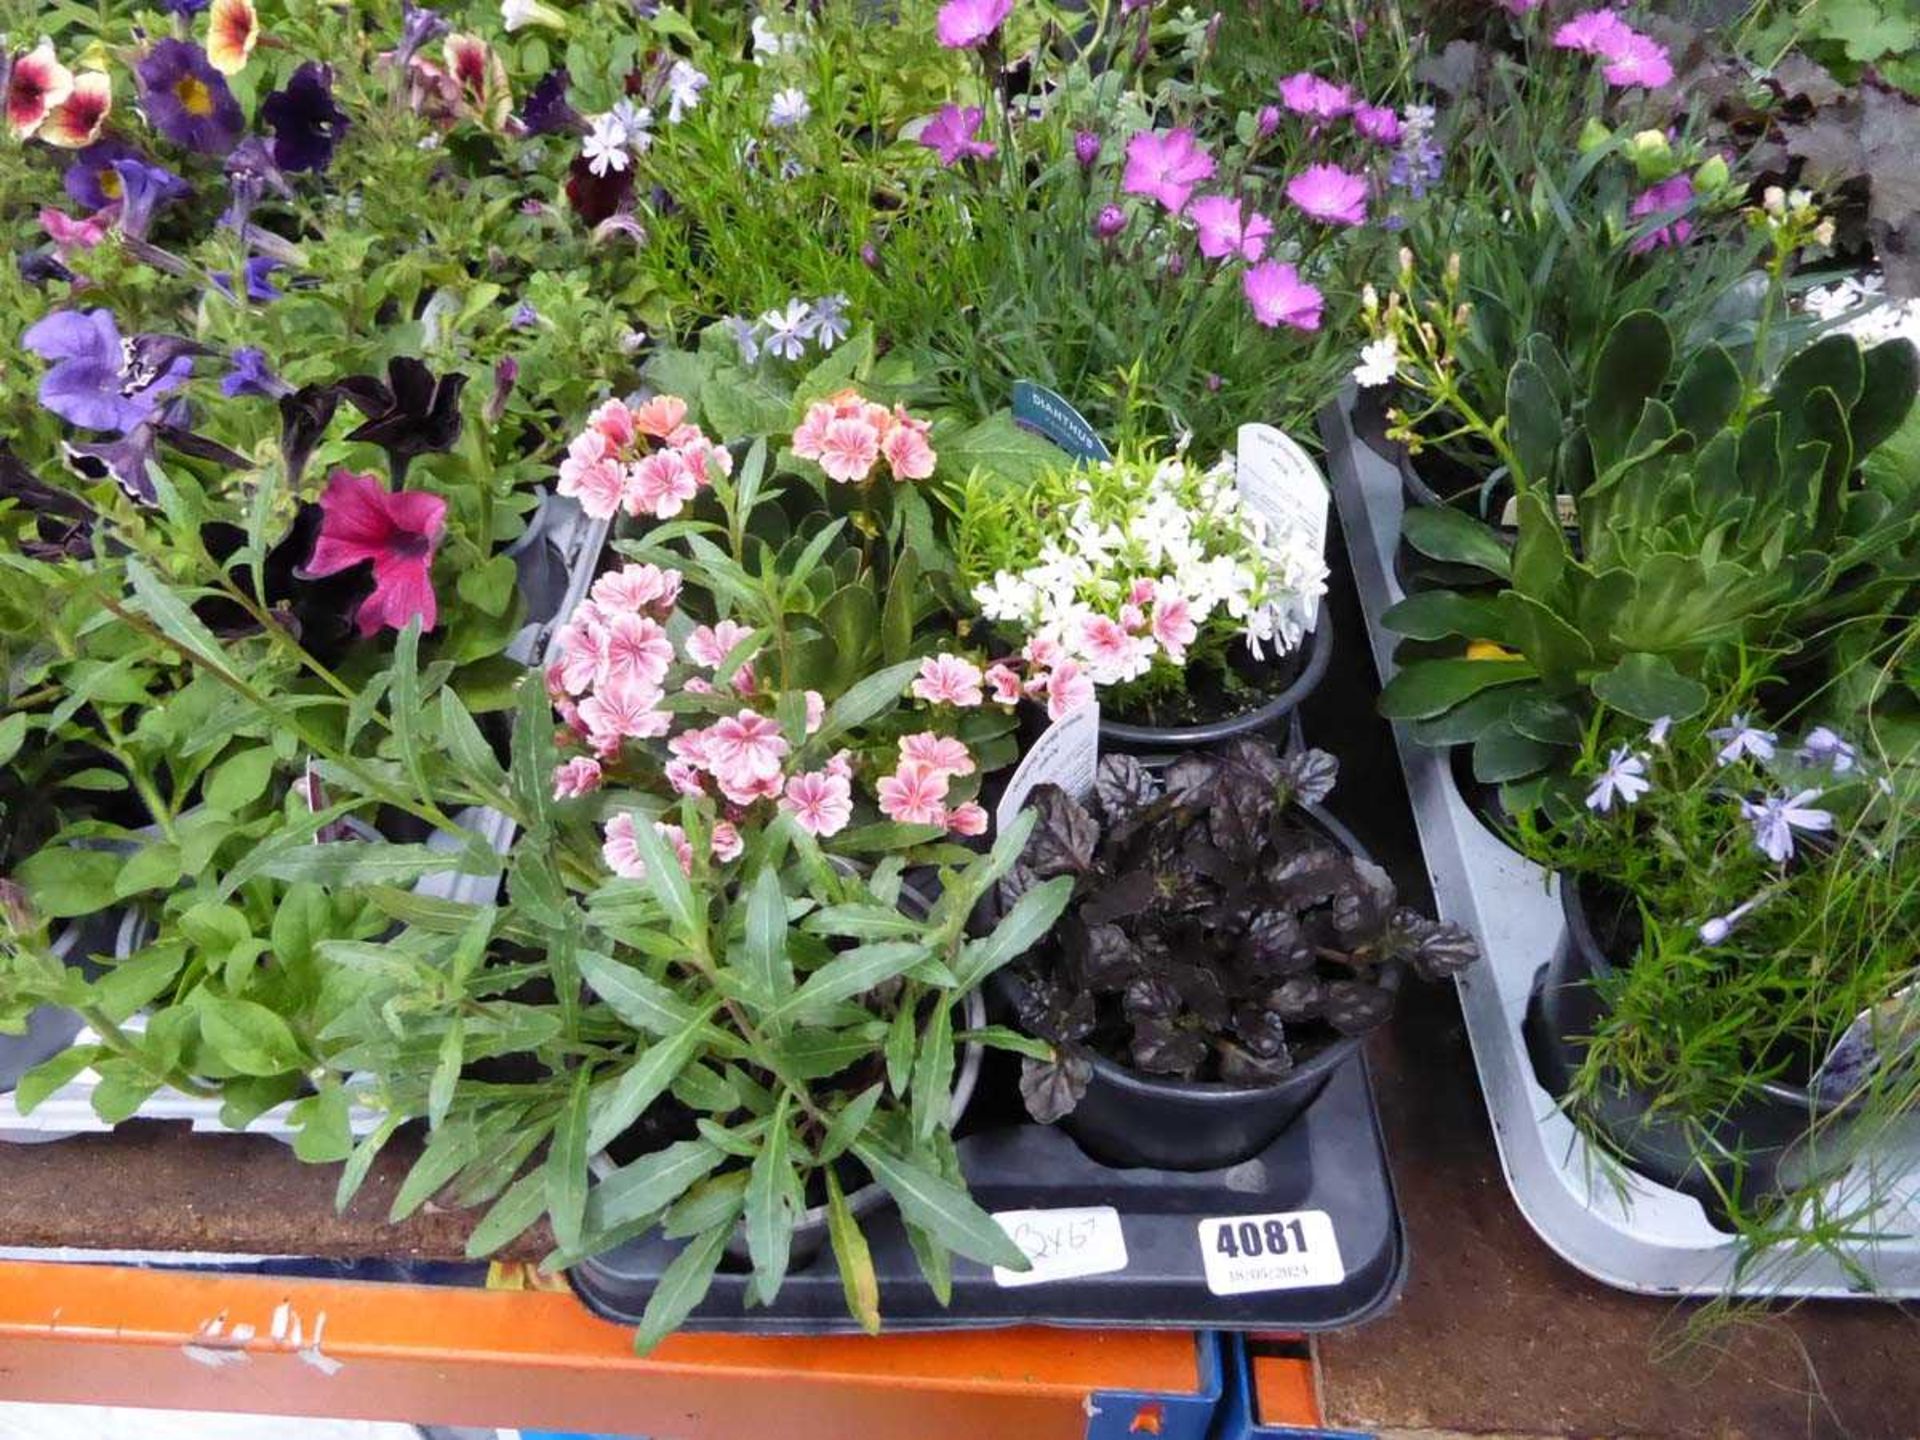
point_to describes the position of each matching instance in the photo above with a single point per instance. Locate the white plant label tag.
(1062, 1244)
(1066, 754)
(1280, 483)
(1292, 1250)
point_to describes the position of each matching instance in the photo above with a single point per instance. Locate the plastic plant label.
(1066, 754)
(1051, 417)
(1280, 483)
(1565, 508)
(1063, 1244)
(1291, 1250)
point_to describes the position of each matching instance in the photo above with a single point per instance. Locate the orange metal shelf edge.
(354, 1350)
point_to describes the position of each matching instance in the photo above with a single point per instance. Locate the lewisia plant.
(645, 459)
(1126, 573)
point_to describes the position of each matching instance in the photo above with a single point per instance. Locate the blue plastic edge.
(1238, 1412)
(1111, 1414)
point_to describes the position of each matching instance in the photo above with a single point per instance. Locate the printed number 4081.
(1251, 1240)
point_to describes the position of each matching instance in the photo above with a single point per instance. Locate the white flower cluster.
(1138, 569)
(1863, 311)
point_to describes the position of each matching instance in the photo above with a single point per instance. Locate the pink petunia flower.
(361, 520)
(1668, 195)
(914, 795)
(1377, 123)
(937, 752)
(953, 134)
(1068, 689)
(848, 451)
(1042, 652)
(1132, 617)
(578, 776)
(1330, 194)
(1005, 683)
(69, 234)
(1106, 641)
(1173, 626)
(1166, 165)
(1279, 296)
(660, 485)
(1307, 94)
(966, 24)
(821, 803)
(967, 819)
(1223, 231)
(948, 679)
(744, 747)
(726, 842)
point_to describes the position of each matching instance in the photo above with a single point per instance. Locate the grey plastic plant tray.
(558, 556)
(1615, 1225)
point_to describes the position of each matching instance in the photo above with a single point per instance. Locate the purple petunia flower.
(418, 25)
(99, 381)
(1307, 94)
(1166, 165)
(256, 275)
(1777, 817)
(967, 24)
(951, 134)
(90, 179)
(306, 124)
(1328, 193)
(1377, 123)
(187, 100)
(143, 190)
(1667, 196)
(1227, 228)
(1278, 296)
(251, 172)
(547, 111)
(251, 375)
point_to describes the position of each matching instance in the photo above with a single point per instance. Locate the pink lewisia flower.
(361, 520)
(638, 587)
(820, 802)
(726, 842)
(1106, 641)
(1377, 123)
(967, 819)
(816, 711)
(621, 850)
(708, 645)
(613, 422)
(1328, 193)
(703, 457)
(914, 795)
(1307, 94)
(583, 654)
(660, 485)
(745, 747)
(1166, 165)
(937, 752)
(953, 134)
(1280, 297)
(1005, 681)
(948, 679)
(908, 454)
(1068, 689)
(744, 790)
(592, 475)
(579, 776)
(848, 450)
(966, 24)
(1667, 196)
(1173, 626)
(1223, 232)
(638, 651)
(619, 712)
(684, 777)
(661, 417)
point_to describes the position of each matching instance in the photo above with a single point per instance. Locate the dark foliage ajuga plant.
(1217, 931)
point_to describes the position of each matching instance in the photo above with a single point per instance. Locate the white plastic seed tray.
(1615, 1225)
(576, 541)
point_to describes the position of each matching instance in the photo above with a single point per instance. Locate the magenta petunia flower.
(952, 134)
(1166, 165)
(1226, 228)
(1326, 192)
(1668, 195)
(1279, 296)
(361, 521)
(1307, 94)
(967, 24)
(1377, 123)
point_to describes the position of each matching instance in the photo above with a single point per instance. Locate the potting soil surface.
(1494, 1334)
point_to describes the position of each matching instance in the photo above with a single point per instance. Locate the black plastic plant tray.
(1330, 1160)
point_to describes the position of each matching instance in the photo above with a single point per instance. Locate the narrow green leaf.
(684, 914)
(634, 996)
(682, 1287)
(944, 1210)
(449, 1150)
(764, 968)
(361, 862)
(651, 1183)
(353, 1174)
(645, 1081)
(446, 1072)
(875, 695)
(848, 1125)
(175, 618)
(852, 973)
(855, 1260)
(933, 1071)
(566, 1164)
(512, 1215)
(465, 743)
(1032, 917)
(770, 1217)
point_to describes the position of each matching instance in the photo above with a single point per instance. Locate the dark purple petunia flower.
(41, 267)
(306, 124)
(256, 275)
(251, 375)
(187, 100)
(90, 179)
(99, 381)
(547, 111)
(144, 189)
(124, 460)
(251, 173)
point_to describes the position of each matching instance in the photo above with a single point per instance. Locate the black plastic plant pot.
(1120, 737)
(1131, 1120)
(1771, 1143)
(1482, 797)
(1441, 481)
